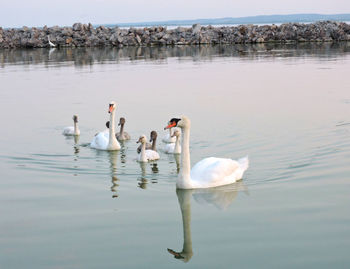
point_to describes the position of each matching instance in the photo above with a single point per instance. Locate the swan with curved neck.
(146, 154)
(107, 140)
(122, 135)
(209, 172)
(174, 148)
(153, 139)
(72, 130)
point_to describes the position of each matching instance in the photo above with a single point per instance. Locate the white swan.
(72, 130)
(106, 140)
(174, 147)
(121, 135)
(146, 154)
(209, 172)
(169, 138)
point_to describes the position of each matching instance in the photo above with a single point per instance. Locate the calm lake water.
(64, 205)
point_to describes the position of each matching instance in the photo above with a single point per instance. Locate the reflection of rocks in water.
(220, 197)
(90, 56)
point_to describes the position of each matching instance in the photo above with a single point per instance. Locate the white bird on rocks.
(52, 45)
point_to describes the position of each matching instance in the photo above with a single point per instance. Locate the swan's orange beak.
(172, 124)
(110, 108)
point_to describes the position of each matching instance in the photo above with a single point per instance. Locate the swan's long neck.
(184, 179)
(170, 133)
(154, 147)
(113, 143)
(121, 132)
(177, 145)
(76, 128)
(143, 153)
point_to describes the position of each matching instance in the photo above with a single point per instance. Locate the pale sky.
(17, 13)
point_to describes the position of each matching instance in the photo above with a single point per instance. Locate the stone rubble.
(85, 35)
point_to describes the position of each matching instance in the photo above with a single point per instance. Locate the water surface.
(64, 205)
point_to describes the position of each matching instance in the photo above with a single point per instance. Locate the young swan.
(107, 140)
(153, 139)
(209, 172)
(72, 130)
(174, 148)
(122, 136)
(146, 154)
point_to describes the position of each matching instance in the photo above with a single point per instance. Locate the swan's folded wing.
(100, 140)
(169, 148)
(151, 155)
(214, 171)
(68, 130)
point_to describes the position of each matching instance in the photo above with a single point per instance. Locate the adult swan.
(106, 140)
(209, 172)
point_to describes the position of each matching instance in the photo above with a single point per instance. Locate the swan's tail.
(243, 163)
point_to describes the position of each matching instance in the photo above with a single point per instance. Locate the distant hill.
(263, 19)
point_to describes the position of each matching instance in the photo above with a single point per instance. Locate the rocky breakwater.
(85, 35)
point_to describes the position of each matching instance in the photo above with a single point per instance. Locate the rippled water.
(64, 205)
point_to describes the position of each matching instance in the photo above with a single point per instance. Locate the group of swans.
(207, 173)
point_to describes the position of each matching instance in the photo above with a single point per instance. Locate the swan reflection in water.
(113, 156)
(143, 180)
(76, 149)
(220, 197)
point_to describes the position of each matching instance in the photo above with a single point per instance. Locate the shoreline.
(85, 35)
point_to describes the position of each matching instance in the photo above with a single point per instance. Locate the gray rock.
(196, 28)
(85, 35)
(138, 39)
(77, 26)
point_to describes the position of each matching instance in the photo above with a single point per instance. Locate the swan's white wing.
(168, 139)
(68, 130)
(100, 140)
(169, 148)
(152, 155)
(211, 172)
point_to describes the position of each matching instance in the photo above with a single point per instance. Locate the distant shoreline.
(86, 35)
(230, 21)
